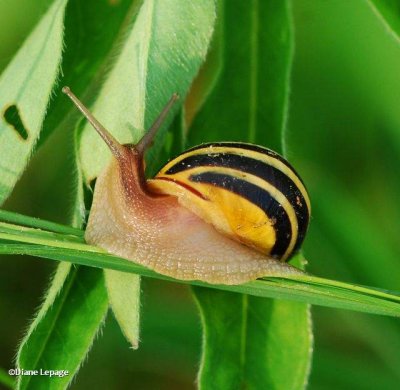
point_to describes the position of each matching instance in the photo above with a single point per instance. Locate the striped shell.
(247, 192)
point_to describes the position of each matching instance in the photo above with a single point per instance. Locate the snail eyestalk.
(148, 138)
(116, 148)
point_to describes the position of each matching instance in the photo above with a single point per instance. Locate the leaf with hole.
(25, 90)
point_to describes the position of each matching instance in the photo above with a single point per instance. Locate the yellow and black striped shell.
(247, 192)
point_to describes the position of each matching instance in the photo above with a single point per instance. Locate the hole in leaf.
(12, 117)
(88, 191)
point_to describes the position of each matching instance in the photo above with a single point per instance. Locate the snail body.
(221, 213)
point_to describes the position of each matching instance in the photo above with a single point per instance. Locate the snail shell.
(221, 213)
(245, 191)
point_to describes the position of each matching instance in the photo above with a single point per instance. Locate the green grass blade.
(309, 289)
(302, 288)
(19, 219)
(25, 89)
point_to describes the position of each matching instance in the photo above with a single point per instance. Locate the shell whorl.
(246, 191)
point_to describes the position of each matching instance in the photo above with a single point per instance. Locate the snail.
(221, 213)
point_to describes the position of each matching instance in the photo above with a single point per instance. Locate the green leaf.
(161, 55)
(289, 325)
(255, 95)
(25, 89)
(90, 52)
(249, 100)
(284, 320)
(123, 291)
(223, 317)
(252, 347)
(388, 11)
(63, 336)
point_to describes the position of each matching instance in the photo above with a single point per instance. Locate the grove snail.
(220, 212)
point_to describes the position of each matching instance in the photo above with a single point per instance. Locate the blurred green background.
(345, 123)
